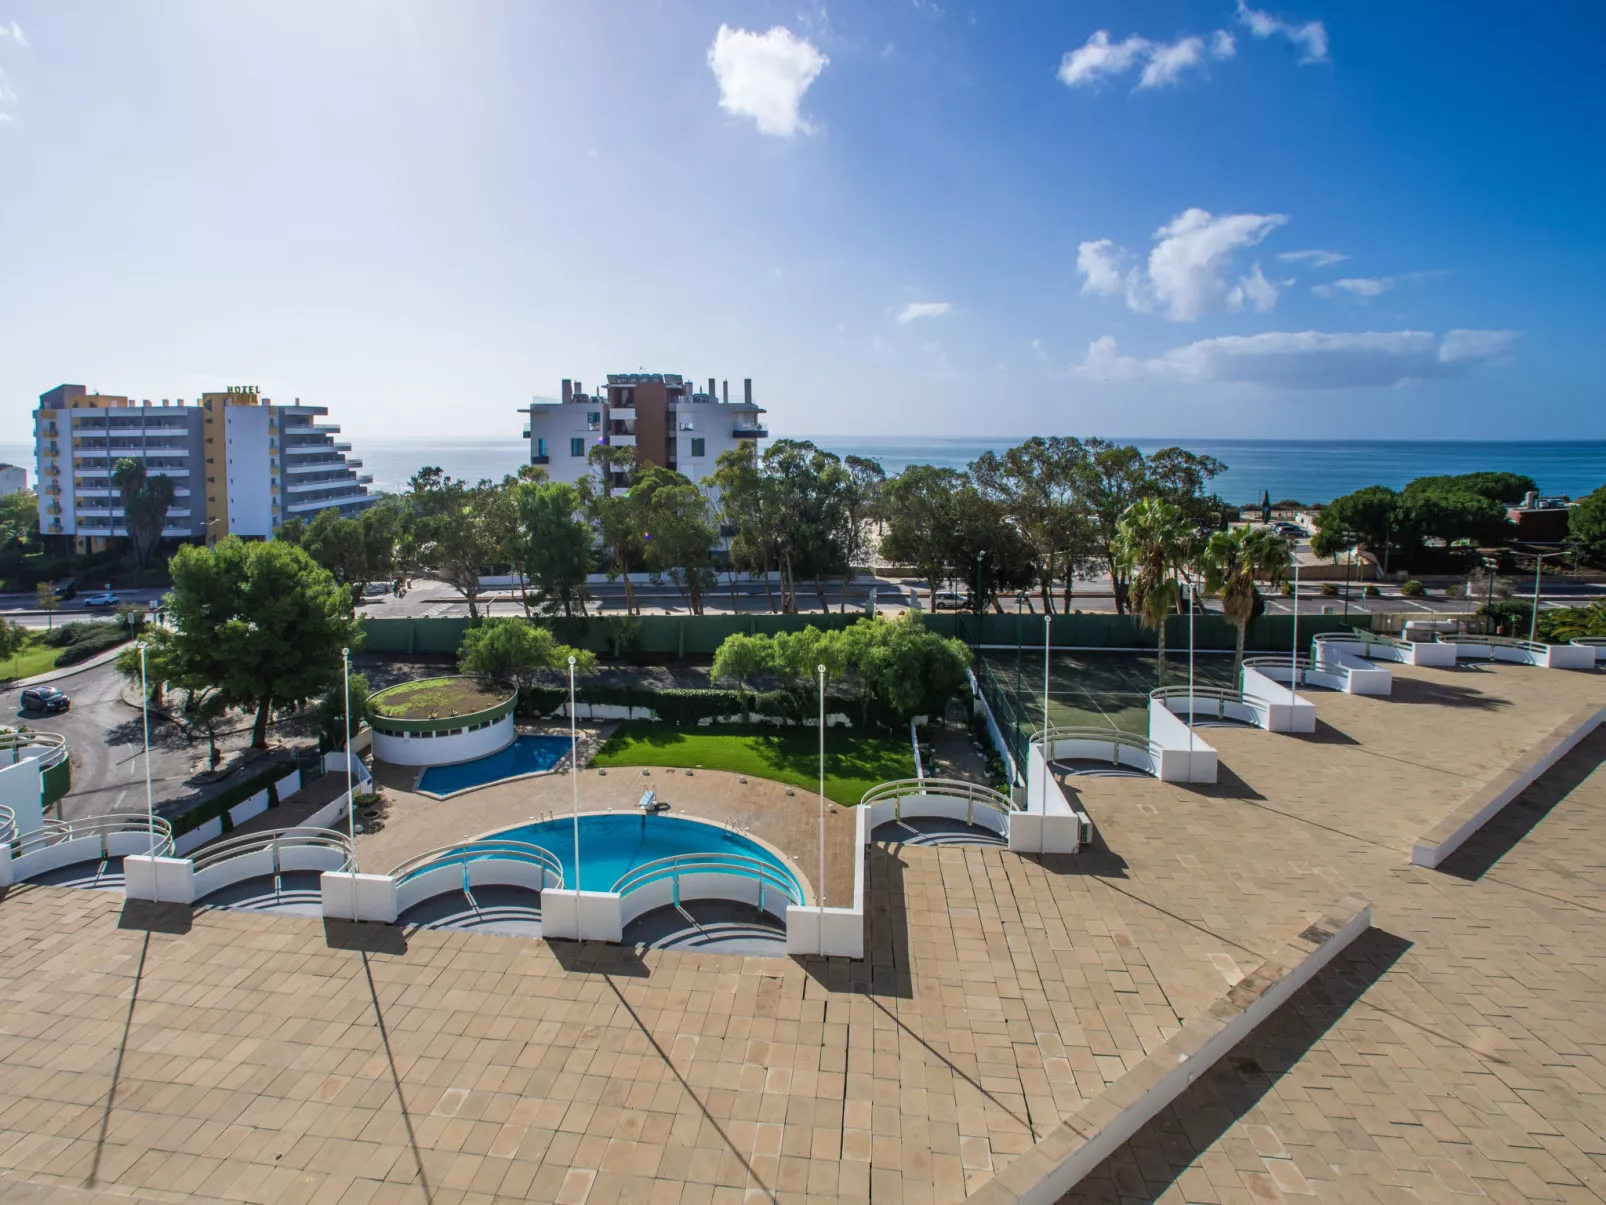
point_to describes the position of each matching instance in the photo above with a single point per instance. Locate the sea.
(1307, 471)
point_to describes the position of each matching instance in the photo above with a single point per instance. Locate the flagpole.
(821, 901)
(574, 782)
(351, 807)
(150, 799)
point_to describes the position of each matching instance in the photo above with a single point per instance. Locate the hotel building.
(240, 464)
(657, 413)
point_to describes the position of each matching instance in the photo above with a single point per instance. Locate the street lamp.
(351, 822)
(1293, 653)
(574, 783)
(821, 928)
(1048, 621)
(1193, 598)
(145, 711)
(1533, 619)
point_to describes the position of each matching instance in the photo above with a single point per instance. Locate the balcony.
(342, 447)
(622, 441)
(540, 459)
(750, 431)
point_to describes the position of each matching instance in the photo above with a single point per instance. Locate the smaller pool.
(526, 755)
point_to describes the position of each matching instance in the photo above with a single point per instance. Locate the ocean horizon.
(1308, 471)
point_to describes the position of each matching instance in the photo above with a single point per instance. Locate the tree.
(1151, 544)
(261, 623)
(13, 639)
(740, 489)
(1449, 509)
(1586, 525)
(458, 529)
(1233, 563)
(1505, 488)
(515, 651)
(19, 518)
(608, 505)
(329, 715)
(46, 600)
(922, 513)
(1038, 486)
(554, 549)
(1370, 515)
(677, 530)
(146, 501)
(859, 501)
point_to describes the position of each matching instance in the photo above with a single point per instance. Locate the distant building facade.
(240, 464)
(13, 479)
(658, 414)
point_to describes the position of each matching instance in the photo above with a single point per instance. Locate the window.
(540, 448)
(577, 447)
(697, 447)
(593, 420)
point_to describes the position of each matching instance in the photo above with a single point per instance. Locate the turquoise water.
(614, 844)
(526, 755)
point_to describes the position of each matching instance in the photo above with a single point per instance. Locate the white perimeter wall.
(416, 750)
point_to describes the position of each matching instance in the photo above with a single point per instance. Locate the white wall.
(22, 792)
(417, 750)
(14, 478)
(249, 475)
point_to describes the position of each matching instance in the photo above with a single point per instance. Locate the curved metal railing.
(1272, 661)
(8, 825)
(972, 793)
(1116, 738)
(276, 841)
(1356, 636)
(1217, 694)
(1504, 642)
(52, 746)
(1589, 642)
(767, 873)
(55, 832)
(479, 851)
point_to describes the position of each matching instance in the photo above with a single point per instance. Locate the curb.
(1076, 1146)
(57, 675)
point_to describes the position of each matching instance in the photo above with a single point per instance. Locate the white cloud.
(1253, 290)
(764, 76)
(1164, 63)
(1307, 359)
(1366, 287)
(1167, 63)
(1099, 58)
(14, 32)
(1311, 37)
(1187, 269)
(1316, 258)
(924, 309)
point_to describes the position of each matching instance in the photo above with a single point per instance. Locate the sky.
(899, 217)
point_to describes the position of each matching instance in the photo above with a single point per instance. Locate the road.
(105, 742)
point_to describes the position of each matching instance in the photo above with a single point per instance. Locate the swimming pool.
(614, 843)
(526, 755)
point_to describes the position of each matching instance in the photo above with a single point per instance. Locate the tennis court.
(1097, 689)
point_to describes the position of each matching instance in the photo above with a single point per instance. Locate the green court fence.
(701, 635)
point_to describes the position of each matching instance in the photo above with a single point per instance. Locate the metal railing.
(480, 851)
(766, 873)
(276, 841)
(1272, 661)
(56, 832)
(8, 825)
(950, 788)
(51, 746)
(1116, 738)
(1356, 636)
(1589, 642)
(1504, 642)
(1217, 694)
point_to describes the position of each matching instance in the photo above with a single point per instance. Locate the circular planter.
(439, 721)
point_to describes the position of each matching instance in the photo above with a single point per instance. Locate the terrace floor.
(1455, 1049)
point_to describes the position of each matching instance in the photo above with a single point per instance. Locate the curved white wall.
(416, 749)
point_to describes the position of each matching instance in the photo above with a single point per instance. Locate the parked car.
(45, 698)
(104, 599)
(951, 600)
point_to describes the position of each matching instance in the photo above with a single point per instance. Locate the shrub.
(672, 705)
(1411, 589)
(232, 796)
(1371, 591)
(1329, 590)
(1455, 591)
(81, 640)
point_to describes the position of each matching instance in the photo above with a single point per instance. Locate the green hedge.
(80, 641)
(672, 705)
(219, 804)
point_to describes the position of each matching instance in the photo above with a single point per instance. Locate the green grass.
(435, 697)
(35, 658)
(854, 762)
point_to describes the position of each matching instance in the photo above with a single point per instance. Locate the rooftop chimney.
(747, 390)
(568, 390)
(727, 392)
(711, 393)
(579, 389)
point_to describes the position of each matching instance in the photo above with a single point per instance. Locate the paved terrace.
(1454, 1050)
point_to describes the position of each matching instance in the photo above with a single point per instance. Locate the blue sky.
(897, 216)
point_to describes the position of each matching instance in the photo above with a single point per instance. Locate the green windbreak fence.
(701, 635)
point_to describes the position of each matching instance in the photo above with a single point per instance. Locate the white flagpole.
(821, 901)
(1048, 621)
(574, 782)
(1293, 656)
(1192, 598)
(351, 819)
(150, 799)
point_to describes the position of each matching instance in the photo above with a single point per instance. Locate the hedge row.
(674, 705)
(80, 641)
(219, 804)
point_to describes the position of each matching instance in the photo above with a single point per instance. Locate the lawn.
(35, 658)
(433, 698)
(854, 762)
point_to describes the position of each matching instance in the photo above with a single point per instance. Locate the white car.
(107, 599)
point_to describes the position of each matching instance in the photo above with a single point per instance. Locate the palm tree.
(1232, 562)
(1152, 542)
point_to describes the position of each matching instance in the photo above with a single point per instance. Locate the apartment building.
(13, 479)
(240, 464)
(661, 415)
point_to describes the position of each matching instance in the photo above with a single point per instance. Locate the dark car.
(45, 698)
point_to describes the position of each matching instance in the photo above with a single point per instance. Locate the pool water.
(613, 844)
(526, 755)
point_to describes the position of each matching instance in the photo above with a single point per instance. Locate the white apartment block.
(13, 479)
(658, 414)
(240, 464)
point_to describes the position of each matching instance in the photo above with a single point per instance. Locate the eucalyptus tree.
(922, 514)
(739, 487)
(553, 550)
(678, 531)
(613, 513)
(459, 529)
(1152, 541)
(859, 484)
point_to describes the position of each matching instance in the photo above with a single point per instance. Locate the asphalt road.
(105, 742)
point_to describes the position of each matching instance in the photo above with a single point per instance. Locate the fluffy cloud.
(1366, 287)
(1187, 269)
(764, 76)
(924, 309)
(1307, 359)
(1316, 259)
(1311, 37)
(1099, 59)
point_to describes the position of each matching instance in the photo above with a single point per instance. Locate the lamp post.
(1020, 605)
(145, 711)
(1047, 624)
(821, 929)
(1293, 653)
(574, 784)
(1533, 619)
(1192, 598)
(351, 821)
